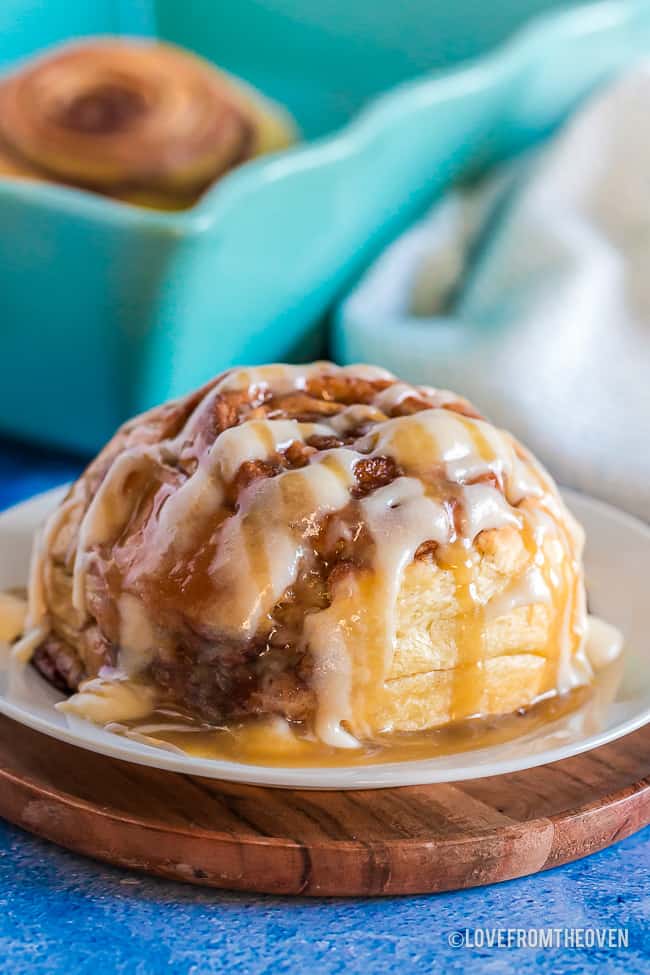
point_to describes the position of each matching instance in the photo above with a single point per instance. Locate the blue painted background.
(62, 915)
(67, 916)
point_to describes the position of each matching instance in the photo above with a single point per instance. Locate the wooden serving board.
(390, 841)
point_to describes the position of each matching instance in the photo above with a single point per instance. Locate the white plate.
(618, 568)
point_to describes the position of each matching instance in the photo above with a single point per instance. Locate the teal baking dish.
(106, 309)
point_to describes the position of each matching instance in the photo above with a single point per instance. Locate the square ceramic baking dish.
(106, 309)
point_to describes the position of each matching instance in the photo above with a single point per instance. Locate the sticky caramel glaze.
(274, 742)
(245, 551)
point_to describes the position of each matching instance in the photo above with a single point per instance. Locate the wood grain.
(390, 841)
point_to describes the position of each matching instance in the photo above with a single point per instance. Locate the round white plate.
(617, 562)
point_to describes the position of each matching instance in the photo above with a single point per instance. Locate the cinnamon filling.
(104, 109)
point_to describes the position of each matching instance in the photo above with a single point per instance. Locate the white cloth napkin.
(531, 296)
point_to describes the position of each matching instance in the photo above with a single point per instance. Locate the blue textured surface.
(61, 914)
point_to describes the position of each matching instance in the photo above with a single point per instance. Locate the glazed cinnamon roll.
(140, 121)
(328, 545)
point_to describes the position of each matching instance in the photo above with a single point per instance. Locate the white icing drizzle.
(282, 378)
(529, 589)
(279, 377)
(202, 494)
(268, 534)
(36, 624)
(604, 642)
(257, 440)
(342, 643)
(102, 700)
(353, 416)
(438, 397)
(395, 394)
(400, 519)
(362, 370)
(107, 514)
(23, 649)
(328, 635)
(559, 540)
(135, 734)
(37, 604)
(199, 498)
(524, 481)
(451, 440)
(484, 508)
(137, 634)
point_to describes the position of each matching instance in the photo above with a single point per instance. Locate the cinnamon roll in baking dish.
(143, 122)
(325, 544)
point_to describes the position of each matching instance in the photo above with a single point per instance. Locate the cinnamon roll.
(329, 545)
(140, 121)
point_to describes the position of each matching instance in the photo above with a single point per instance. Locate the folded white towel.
(549, 326)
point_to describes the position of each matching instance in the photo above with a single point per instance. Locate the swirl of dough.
(141, 121)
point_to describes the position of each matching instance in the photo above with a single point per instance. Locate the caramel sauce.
(369, 631)
(469, 672)
(481, 444)
(414, 445)
(276, 743)
(538, 557)
(258, 559)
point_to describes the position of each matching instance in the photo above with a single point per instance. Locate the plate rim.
(414, 772)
